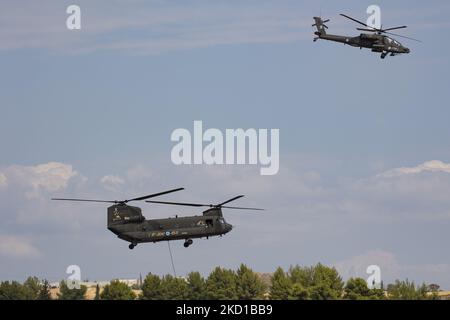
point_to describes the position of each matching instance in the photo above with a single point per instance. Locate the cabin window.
(201, 223)
(209, 222)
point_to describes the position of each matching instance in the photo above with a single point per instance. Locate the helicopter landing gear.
(383, 55)
(132, 245)
(188, 242)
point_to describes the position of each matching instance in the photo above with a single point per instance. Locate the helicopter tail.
(321, 26)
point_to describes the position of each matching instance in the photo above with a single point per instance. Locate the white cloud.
(158, 26)
(357, 266)
(391, 268)
(50, 177)
(428, 166)
(17, 247)
(139, 172)
(413, 193)
(3, 180)
(302, 207)
(112, 182)
(26, 199)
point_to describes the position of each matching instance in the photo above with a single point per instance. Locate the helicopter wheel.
(188, 242)
(131, 246)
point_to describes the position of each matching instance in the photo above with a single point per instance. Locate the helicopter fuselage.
(376, 42)
(128, 223)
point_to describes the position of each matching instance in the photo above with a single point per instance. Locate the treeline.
(317, 282)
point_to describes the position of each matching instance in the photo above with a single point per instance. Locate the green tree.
(117, 290)
(281, 285)
(13, 291)
(173, 288)
(406, 290)
(327, 284)
(357, 289)
(221, 285)
(151, 288)
(298, 292)
(196, 286)
(302, 275)
(71, 294)
(32, 287)
(321, 282)
(248, 284)
(44, 291)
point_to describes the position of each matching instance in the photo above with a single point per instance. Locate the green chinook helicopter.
(128, 223)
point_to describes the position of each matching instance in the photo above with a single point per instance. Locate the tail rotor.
(321, 27)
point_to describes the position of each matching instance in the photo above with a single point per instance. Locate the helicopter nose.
(228, 227)
(407, 50)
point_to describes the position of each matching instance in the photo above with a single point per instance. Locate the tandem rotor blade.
(232, 199)
(201, 205)
(154, 195)
(242, 208)
(220, 205)
(120, 201)
(181, 203)
(196, 204)
(85, 200)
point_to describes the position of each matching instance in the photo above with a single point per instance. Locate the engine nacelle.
(378, 48)
(120, 214)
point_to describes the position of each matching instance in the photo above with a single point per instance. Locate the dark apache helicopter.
(376, 40)
(128, 223)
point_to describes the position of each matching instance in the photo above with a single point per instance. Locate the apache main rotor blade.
(357, 21)
(394, 28)
(391, 33)
(232, 199)
(153, 195)
(398, 35)
(85, 200)
(370, 30)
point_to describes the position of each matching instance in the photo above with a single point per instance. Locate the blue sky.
(90, 113)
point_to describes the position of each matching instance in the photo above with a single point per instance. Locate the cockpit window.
(221, 220)
(390, 41)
